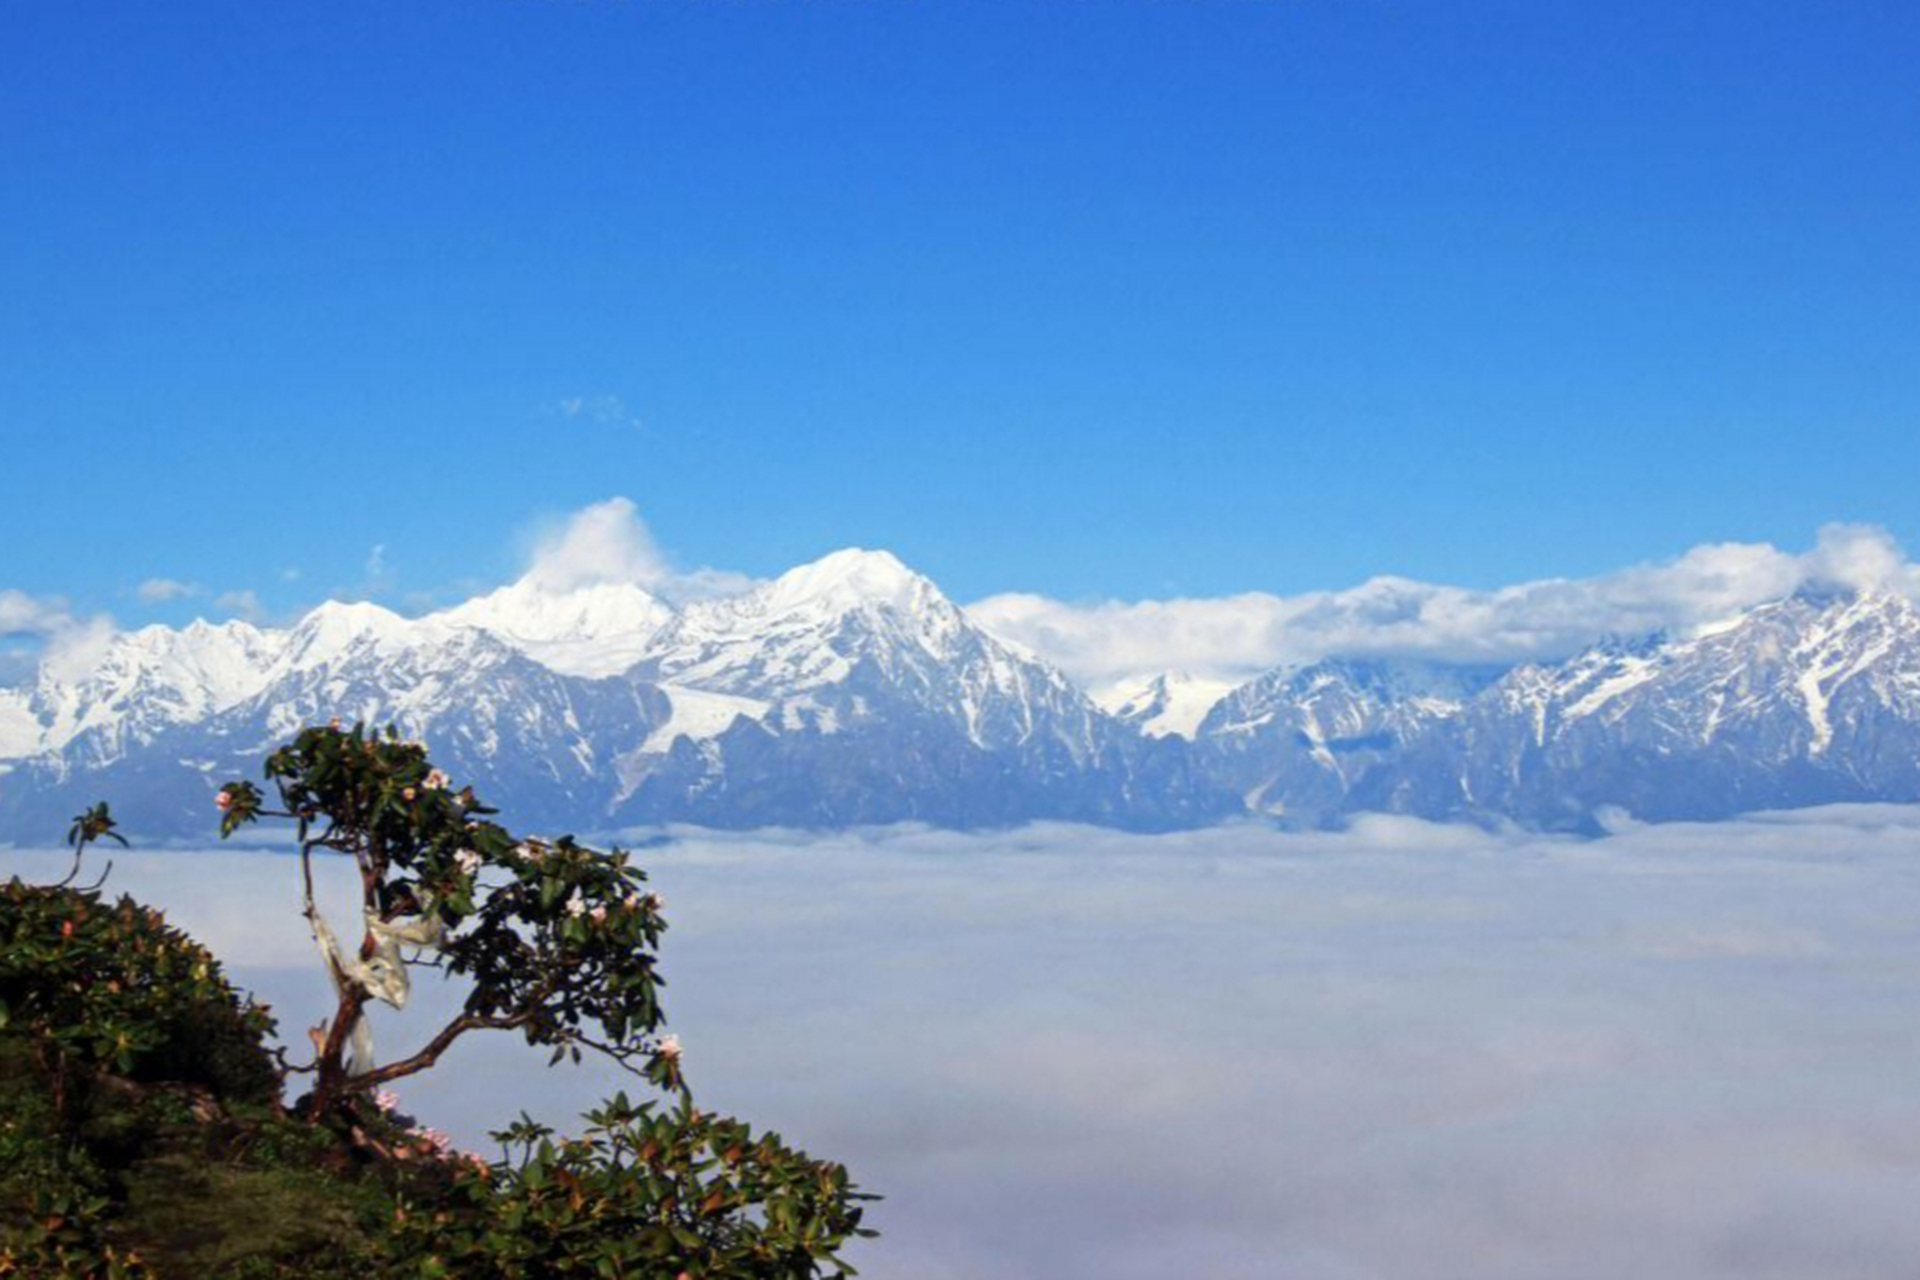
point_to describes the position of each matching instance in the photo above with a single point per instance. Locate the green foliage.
(53, 1203)
(645, 1192)
(95, 985)
(62, 1238)
(95, 824)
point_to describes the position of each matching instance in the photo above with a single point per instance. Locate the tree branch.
(431, 1051)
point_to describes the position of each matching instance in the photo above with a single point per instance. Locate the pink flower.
(669, 1048)
(655, 902)
(435, 780)
(223, 801)
(599, 913)
(334, 724)
(434, 1141)
(385, 1099)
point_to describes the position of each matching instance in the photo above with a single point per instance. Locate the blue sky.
(1088, 299)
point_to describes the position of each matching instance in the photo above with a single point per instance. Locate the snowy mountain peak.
(848, 579)
(816, 625)
(595, 630)
(525, 610)
(1168, 704)
(332, 629)
(345, 619)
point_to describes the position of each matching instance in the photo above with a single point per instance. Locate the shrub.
(96, 985)
(645, 1192)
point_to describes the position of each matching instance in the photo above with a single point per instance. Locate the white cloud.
(69, 645)
(22, 614)
(73, 651)
(597, 411)
(243, 604)
(610, 542)
(605, 542)
(163, 590)
(1234, 637)
(1860, 557)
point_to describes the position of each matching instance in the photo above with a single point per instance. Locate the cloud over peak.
(68, 645)
(609, 542)
(1236, 637)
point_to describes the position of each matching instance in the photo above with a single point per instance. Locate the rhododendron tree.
(557, 940)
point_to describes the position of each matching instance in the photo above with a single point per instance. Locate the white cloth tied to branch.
(381, 974)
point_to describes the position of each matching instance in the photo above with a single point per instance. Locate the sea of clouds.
(1402, 1050)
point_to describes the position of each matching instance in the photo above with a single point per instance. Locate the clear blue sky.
(1087, 297)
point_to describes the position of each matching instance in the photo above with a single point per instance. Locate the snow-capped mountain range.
(850, 690)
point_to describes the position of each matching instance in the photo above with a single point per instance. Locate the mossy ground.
(190, 1184)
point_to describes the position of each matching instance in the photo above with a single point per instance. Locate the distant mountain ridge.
(851, 691)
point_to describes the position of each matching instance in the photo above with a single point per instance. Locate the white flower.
(669, 1048)
(435, 780)
(576, 905)
(223, 801)
(385, 1099)
(599, 913)
(469, 861)
(529, 850)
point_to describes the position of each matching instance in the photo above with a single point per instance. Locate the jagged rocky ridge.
(852, 691)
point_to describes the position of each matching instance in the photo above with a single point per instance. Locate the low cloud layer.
(1404, 1050)
(1235, 637)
